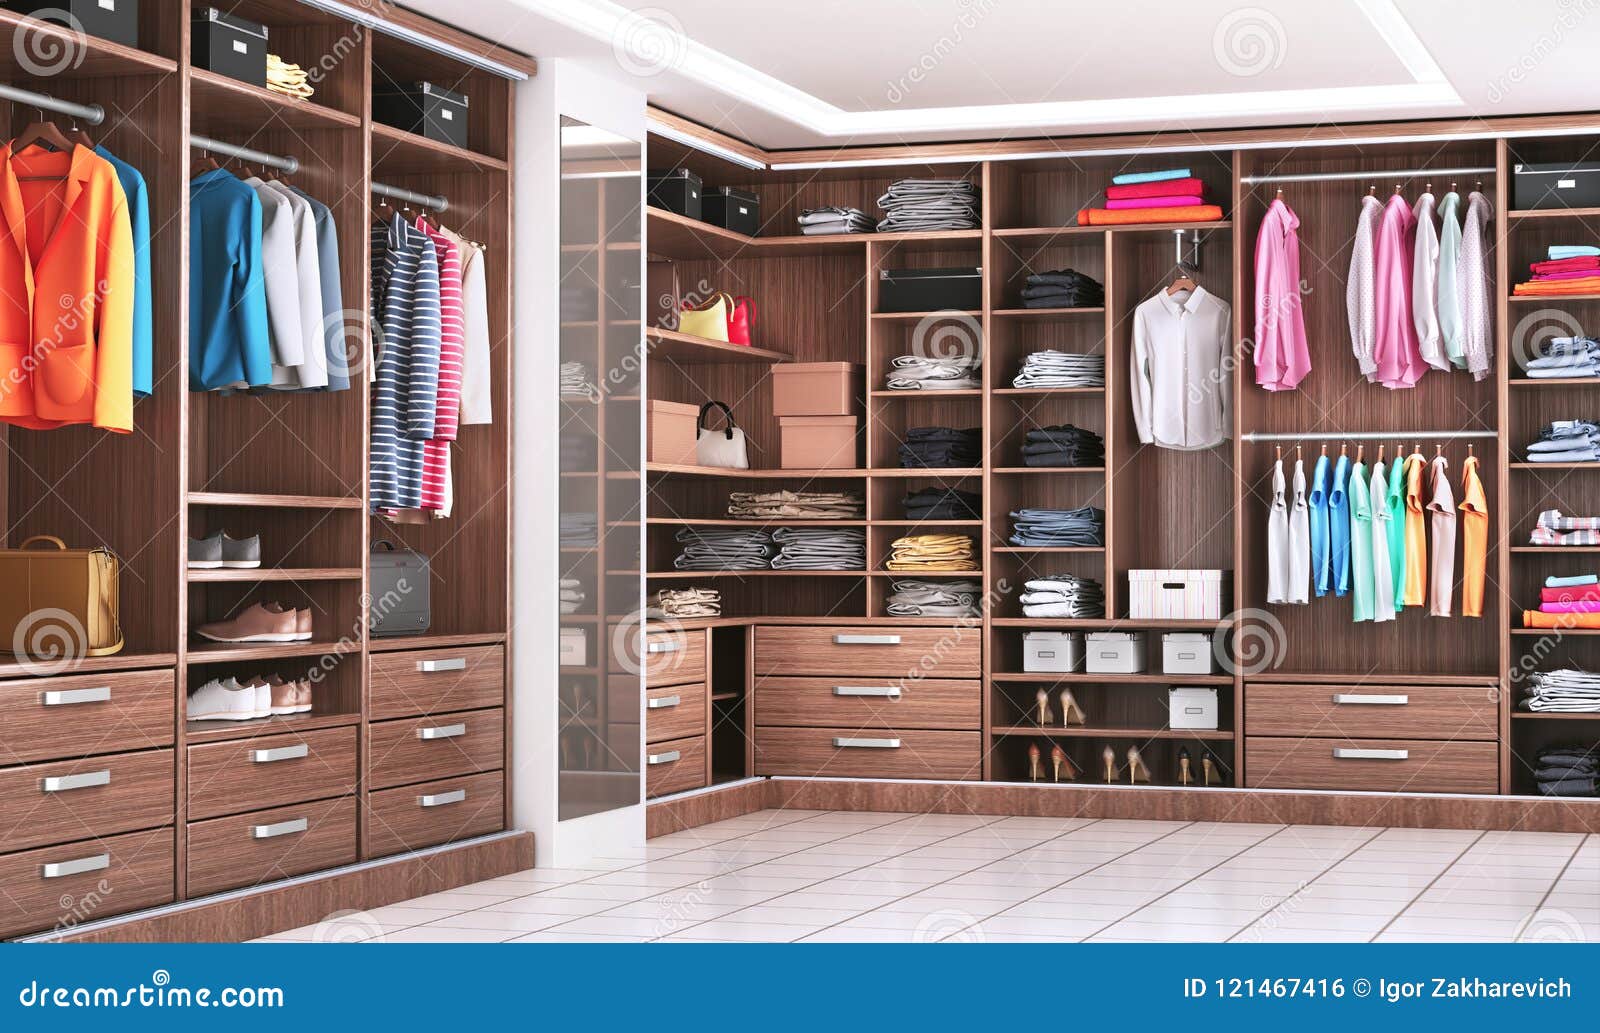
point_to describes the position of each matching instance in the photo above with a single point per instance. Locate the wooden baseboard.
(299, 902)
(702, 808)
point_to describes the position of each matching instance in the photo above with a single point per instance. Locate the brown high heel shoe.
(1137, 771)
(1185, 767)
(1210, 772)
(1071, 713)
(1041, 712)
(1062, 763)
(1109, 756)
(1035, 769)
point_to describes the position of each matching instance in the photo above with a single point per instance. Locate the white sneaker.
(263, 696)
(219, 700)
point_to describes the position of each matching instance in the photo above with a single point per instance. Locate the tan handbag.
(710, 319)
(59, 604)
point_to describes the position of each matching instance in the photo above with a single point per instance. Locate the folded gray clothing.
(1055, 528)
(819, 548)
(707, 548)
(930, 204)
(1051, 368)
(1585, 368)
(1575, 455)
(916, 373)
(1063, 595)
(916, 598)
(575, 379)
(836, 220)
(1569, 787)
(577, 529)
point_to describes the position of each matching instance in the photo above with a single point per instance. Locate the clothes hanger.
(78, 136)
(1324, 449)
(1380, 452)
(1344, 449)
(44, 133)
(1183, 281)
(1361, 451)
(1298, 455)
(1279, 449)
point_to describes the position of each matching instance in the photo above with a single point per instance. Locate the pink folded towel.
(1581, 606)
(1191, 187)
(1154, 202)
(1567, 274)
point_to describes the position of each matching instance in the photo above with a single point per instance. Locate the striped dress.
(405, 316)
(436, 454)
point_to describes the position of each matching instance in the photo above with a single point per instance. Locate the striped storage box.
(1177, 594)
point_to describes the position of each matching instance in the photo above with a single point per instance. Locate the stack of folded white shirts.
(930, 204)
(712, 548)
(575, 380)
(820, 548)
(1555, 529)
(913, 598)
(1050, 368)
(822, 222)
(1064, 595)
(1563, 692)
(572, 595)
(804, 505)
(1566, 357)
(689, 602)
(915, 373)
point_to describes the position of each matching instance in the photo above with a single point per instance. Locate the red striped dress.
(452, 346)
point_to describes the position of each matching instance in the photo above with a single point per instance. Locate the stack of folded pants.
(914, 598)
(578, 530)
(1050, 368)
(916, 373)
(579, 449)
(930, 204)
(1566, 357)
(820, 548)
(1568, 770)
(572, 594)
(1554, 529)
(715, 548)
(823, 222)
(931, 552)
(1063, 288)
(1566, 441)
(1058, 528)
(575, 380)
(936, 447)
(802, 505)
(689, 602)
(943, 504)
(1064, 595)
(1567, 691)
(1063, 445)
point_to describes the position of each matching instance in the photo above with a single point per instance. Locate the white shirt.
(1278, 540)
(1472, 288)
(477, 398)
(1299, 539)
(1382, 571)
(308, 272)
(1425, 286)
(278, 269)
(1449, 259)
(1360, 298)
(1182, 370)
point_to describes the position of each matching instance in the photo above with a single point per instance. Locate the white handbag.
(720, 447)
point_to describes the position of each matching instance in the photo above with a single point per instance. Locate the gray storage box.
(401, 583)
(1052, 652)
(1186, 653)
(1114, 652)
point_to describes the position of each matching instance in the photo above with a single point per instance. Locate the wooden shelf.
(225, 498)
(723, 473)
(1036, 470)
(930, 396)
(1046, 391)
(101, 58)
(1372, 677)
(12, 667)
(688, 350)
(1552, 213)
(670, 235)
(1554, 550)
(681, 574)
(1555, 466)
(1108, 732)
(1558, 632)
(1555, 381)
(225, 107)
(1106, 624)
(1029, 549)
(1047, 235)
(396, 152)
(227, 575)
(1045, 315)
(723, 697)
(1168, 227)
(1530, 715)
(925, 523)
(426, 641)
(203, 652)
(222, 731)
(1551, 299)
(1115, 679)
(756, 522)
(956, 472)
(947, 313)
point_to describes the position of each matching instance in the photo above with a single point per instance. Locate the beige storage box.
(819, 442)
(1177, 594)
(574, 646)
(1186, 653)
(1051, 652)
(672, 432)
(1114, 652)
(817, 388)
(1191, 707)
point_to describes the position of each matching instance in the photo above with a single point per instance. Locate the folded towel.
(1563, 265)
(1132, 203)
(1186, 187)
(1124, 178)
(1105, 217)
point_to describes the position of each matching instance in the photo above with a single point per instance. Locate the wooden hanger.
(1469, 450)
(1372, 191)
(1380, 452)
(1344, 449)
(1298, 455)
(1279, 449)
(1324, 449)
(45, 134)
(1361, 451)
(1182, 282)
(79, 137)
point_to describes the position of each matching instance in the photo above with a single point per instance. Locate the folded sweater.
(1133, 217)
(1188, 187)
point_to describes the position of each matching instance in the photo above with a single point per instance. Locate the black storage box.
(401, 582)
(928, 290)
(1555, 185)
(429, 110)
(675, 191)
(229, 45)
(115, 20)
(732, 209)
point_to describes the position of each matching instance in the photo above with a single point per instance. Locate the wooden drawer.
(862, 702)
(1372, 765)
(1372, 711)
(64, 886)
(437, 681)
(434, 812)
(270, 771)
(676, 712)
(263, 846)
(65, 800)
(427, 748)
(674, 766)
(51, 718)
(869, 753)
(897, 653)
(674, 658)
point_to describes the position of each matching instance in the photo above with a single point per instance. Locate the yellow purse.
(710, 319)
(60, 604)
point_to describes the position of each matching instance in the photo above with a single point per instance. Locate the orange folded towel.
(1135, 216)
(1538, 619)
(1547, 288)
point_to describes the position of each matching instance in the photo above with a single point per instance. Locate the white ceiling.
(832, 72)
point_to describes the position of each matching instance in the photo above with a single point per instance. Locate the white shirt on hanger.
(1182, 370)
(1472, 288)
(1382, 571)
(1278, 572)
(279, 271)
(1299, 539)
(1425, 286)
(1360, 297)
(308, 272)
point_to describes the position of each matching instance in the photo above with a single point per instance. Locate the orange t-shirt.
(1416, 534)
(1474, 538)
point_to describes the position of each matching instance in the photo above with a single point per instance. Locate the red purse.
(741, 320)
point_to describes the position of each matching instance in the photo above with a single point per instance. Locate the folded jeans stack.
(915, 373)
(578, 530)
(1050, 368)
(576, 381)
(706, 548)
(1064, 595)
(913, 598)
(1063, 445)
(941, 447)
(930, 204)
(572, 595)
(820, 548)
(802, 505)
(1566, 357)
(1062, 288)
(684, 603)
(1568, 691)
(1566, 441)
(943, 504)
(1566, 770)
(823, 222)
(928, 552)
(1058, 528)
(1554, 529)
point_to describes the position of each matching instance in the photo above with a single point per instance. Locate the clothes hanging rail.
(1373, 435)
(93, 114)
(1376, 177)
(431, 202)
(290, 165)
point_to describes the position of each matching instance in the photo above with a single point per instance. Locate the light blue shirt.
(1339, 527)
(1317, 506)
(144, 334)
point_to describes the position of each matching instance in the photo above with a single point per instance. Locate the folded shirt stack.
(1568, 691)
(290, 80)
(1567, 770)
(1064, 445)
(802, 505)
(928, 552)
(1568, 270)
(1058, 528)
(954, 598)
(943, 504)
(1566, 441)
(930, 204)
(824, 222)
(941, 447)
(1063, 288)
(1064, 595)
(1561, 603)
(689, 602)
(915, 373)
(1171, 195)
(578, 530)
(1566, 357)
(820, 548)
(572, 594)
(1554, 529)
(1050, 368)
(576, 381)
(717, 548)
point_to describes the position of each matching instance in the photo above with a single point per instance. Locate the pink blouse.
(1395, 349)
(1282, 357)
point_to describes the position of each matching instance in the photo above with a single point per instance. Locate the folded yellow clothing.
(932, 552)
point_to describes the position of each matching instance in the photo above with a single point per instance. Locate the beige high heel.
(1109, 756)
(1209, 772)
(1137, 772)
(1035, 768)
(1071, 713)
(1062, 763)
(1185, 767)
(1041, 713)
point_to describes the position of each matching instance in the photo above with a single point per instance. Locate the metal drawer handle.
(440, 799)
(1359, 699)
(664, 758)
(282, 828)
(294, 752)
(866, 640)
(442, 732)
(663, 702)
(454, 663)
(61, 869)
(668, 645)
(866, 744)
(68, 697)
(62, 783)
(874, 691)
(1341, 753)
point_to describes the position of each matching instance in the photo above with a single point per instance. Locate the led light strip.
(367, 19)
(706, 146)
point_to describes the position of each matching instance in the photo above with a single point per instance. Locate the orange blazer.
(66, 291)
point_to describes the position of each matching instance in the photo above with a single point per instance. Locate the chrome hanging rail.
(93, 114)
(1375, 177)
(430, 202)
(1374, 435)
(290, 165)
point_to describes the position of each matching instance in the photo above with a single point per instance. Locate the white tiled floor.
(813, 876)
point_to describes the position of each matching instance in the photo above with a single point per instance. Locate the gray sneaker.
(205, 553)
(241, 552)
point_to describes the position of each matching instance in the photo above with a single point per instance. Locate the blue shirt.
(228, 339)
(144, 334)
(1339, 527)
(1317, 510)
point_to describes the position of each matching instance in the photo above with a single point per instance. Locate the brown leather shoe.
(285, 696)
(303, 696)
(302, 620)
(255, 624)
